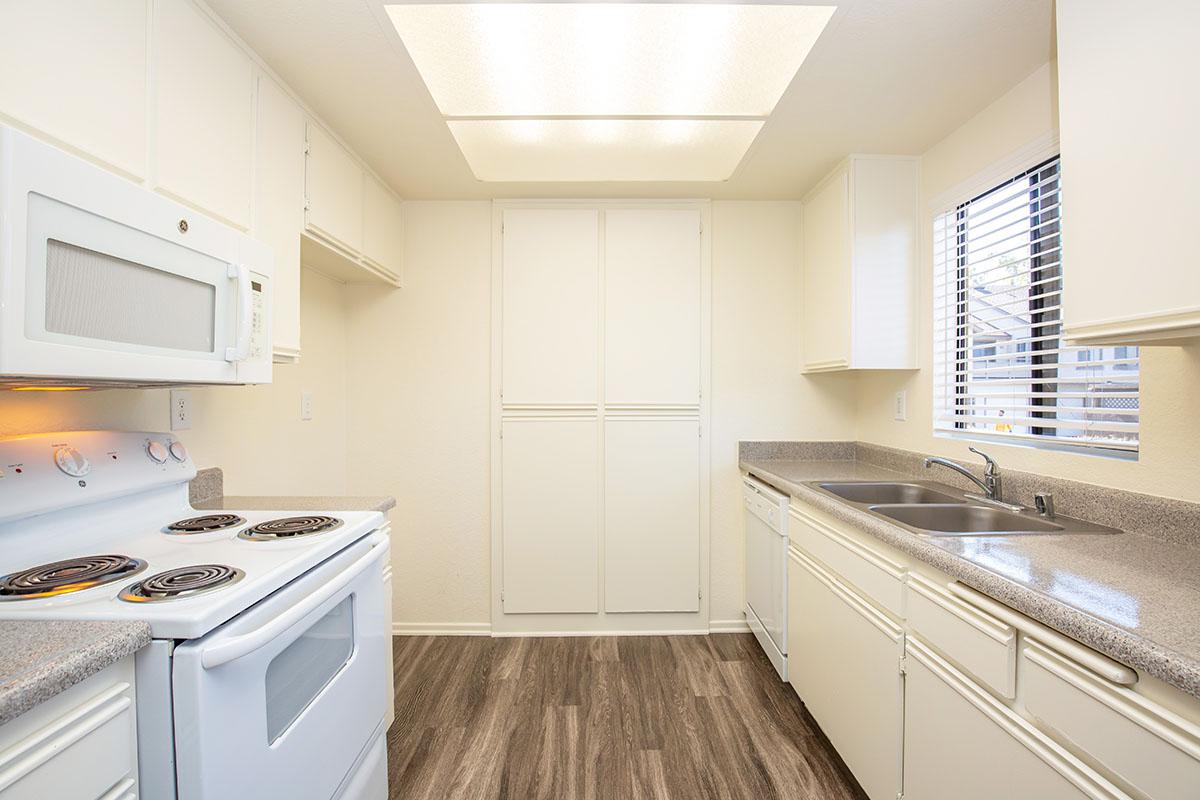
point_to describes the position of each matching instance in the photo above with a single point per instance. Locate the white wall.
(1170, 376)
(253, 432)
(419, 372)
(757, 389)
(419, 365)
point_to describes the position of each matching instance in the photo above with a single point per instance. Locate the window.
(1001, 369)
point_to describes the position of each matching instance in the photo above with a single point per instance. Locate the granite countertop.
(1130, 596)
(40, 658)
(248, 502)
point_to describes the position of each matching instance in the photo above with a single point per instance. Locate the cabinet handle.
(1100, 664)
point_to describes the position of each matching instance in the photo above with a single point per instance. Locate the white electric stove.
(269, 672)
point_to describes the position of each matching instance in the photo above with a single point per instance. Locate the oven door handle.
(215, 655)
(241, 346)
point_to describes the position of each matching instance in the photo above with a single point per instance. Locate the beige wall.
(419, 371)
(419, 425)
(253, 432)
(1170, 376)
(757, 389)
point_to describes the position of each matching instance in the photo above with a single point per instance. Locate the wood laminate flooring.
(603, 718)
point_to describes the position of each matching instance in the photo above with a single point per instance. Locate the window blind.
(1000, 367)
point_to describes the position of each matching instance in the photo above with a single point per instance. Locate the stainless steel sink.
(880, 493)
(968, 520)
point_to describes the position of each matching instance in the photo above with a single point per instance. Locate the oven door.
(103, 281)
(283, 700)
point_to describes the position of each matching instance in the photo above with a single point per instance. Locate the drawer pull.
(1101, 665)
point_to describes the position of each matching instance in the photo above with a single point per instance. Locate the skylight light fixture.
(606, 91)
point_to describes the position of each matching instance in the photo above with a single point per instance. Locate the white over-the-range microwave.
(106, 283)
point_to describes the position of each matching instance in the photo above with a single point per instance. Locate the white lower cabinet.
(79, 745)
(846, 667)
(960, 742)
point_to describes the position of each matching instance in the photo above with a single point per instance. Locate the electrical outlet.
(181, 410)
(901, 410)
(306, 405)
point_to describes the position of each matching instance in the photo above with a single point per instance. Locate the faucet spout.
(990, 485)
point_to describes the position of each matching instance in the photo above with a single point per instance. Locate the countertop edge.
(332, 503)
(54, 675)
(1169, 666)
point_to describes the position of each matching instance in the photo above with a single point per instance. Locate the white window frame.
(999, 173)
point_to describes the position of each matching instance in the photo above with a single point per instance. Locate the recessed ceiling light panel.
(606, 91)
(607, 59)
(604, 149)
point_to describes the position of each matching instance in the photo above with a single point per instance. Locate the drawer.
(80, 744)
(1154, 751)
(871, 573)
(977, 642)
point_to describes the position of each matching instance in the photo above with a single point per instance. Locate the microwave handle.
(215, 655)
(241, 346)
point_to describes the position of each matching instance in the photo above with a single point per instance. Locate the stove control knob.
(178, 451)
(157, 452)
(72, 462)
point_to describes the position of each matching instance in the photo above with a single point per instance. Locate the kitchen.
(567, 399)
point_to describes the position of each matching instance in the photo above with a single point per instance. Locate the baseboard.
(728, 626)
(484, 629)
(441, 629)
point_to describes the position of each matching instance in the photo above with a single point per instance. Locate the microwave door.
(106, 301)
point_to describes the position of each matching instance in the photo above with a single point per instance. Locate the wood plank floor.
(681, 717)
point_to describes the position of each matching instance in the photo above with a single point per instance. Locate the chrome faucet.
(990, 484)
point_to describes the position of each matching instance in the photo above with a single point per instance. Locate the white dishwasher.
(766, 515)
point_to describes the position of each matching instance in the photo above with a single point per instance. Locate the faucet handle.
(990, 465)
(1043, 502)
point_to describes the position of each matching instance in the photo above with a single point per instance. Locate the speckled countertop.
(247, 502)
(40, 658)
(1130, 596)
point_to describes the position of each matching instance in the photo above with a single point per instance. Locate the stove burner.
(65, 577)
(182, 582)
(289, 528)
(205, 524)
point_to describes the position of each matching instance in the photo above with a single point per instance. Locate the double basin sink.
(931, 509)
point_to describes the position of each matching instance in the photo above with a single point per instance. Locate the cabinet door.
(652, 307)
(550, 306)
(203, 111)
(333, 189)
(1131, 121)
(651, 514)
(383, 230)
(550, 500)
(77, 72)
(959, 742)
(846, 656)
(825, 233)
(279, 206)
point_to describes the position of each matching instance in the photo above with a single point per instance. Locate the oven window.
(93, 295)
(298, 674)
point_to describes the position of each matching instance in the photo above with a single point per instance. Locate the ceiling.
(886, 76)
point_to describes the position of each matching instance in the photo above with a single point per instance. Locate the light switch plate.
(306, 403)
(901, 410)
(181, 410)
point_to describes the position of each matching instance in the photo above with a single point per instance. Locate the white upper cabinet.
(859, 257)
(279, 206)
(652, 307)
(333, 188)
(77, 73)
(383, 228)
(550, 276)
(1129, 127)
(203, 113)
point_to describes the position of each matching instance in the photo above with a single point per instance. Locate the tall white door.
(651, 514)
(652, 307)
(551, 263)
(550, 507)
